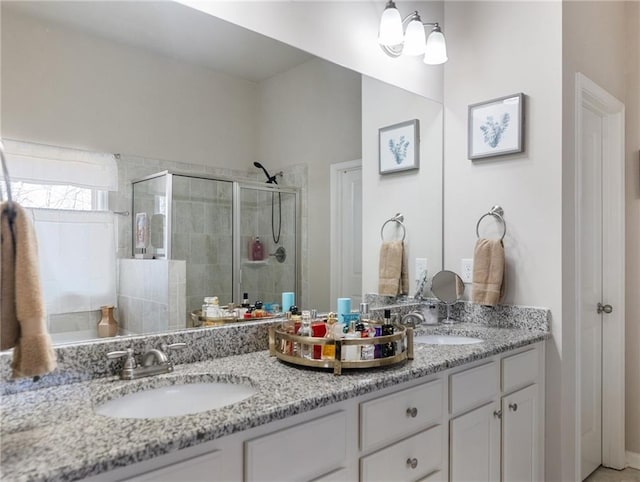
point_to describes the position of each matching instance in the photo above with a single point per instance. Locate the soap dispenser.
(257, 250)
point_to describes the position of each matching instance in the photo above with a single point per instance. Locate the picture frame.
(496, 127)
(399, 147)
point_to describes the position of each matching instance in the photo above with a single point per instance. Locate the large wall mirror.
(169, 88)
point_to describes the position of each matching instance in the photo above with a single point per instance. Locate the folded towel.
(23, 324)
(488, 272)
(393, 279)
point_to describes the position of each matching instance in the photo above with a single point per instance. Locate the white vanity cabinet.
(403, 434)
(482, 421)
(496, 431)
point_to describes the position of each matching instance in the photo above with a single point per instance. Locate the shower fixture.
(272, 180)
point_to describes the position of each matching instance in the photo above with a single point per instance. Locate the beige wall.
(497, 49)
(416, 194)
(84, 91)
(311, 115)
(632, 81)
(610, 59)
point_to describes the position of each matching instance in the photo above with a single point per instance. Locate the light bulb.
(436, 50)
(414, 38)
(390, 32)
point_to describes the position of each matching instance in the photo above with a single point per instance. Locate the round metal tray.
(280, 341)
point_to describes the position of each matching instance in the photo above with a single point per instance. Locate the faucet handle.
(129, 362)
(174, 346)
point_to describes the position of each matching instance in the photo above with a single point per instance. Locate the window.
(58, 196)
(66, 191)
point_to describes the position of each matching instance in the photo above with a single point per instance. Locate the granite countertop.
(53, 433)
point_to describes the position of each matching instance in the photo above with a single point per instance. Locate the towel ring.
(398, 218)
(497, 212)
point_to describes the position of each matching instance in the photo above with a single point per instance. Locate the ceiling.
(173, 30)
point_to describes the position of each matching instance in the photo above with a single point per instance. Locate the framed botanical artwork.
(496, 127)
(399, 147)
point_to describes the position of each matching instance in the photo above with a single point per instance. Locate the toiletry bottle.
(244, 306)
(389, 348)
(257, 250)
(367, 352)
(329, 351)
(352, 352)
(211, 307)
(378, 348)
(306, 350)
(296, 321)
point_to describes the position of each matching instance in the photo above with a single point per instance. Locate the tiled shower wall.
(151, 297)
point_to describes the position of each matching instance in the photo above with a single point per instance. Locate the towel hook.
(497, 212)
(398, 218)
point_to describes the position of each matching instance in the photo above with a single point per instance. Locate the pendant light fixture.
(413, 41)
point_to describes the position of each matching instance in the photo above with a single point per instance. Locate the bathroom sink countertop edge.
(53, 433)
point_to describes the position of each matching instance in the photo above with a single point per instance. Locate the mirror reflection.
(448, 287)
(142, 80)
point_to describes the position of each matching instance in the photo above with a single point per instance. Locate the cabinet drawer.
(400, 414)
(302, 452)
(393, 462)
(200, 468)
(519, 370)
(472, 387)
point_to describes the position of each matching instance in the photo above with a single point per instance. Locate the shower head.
(270, 179)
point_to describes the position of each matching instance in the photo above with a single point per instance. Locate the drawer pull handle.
(497, 413)
(413, 463)
(513, 406)
(412, 412)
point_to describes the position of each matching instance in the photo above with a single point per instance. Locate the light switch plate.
(466, 270)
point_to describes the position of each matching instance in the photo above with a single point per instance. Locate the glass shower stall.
(212, 224)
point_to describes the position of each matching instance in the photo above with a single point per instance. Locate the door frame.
(335, 229)
(589, 94)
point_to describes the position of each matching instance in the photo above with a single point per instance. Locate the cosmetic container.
(388, 349)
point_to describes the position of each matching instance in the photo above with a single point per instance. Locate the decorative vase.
(108, 325)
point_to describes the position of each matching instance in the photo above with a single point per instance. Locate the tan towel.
(393, 279)
(488, 272)
(23, 323)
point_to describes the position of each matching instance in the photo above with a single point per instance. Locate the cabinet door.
(520, 435)
(475, 445)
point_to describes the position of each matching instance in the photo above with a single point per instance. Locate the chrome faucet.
(154, 361)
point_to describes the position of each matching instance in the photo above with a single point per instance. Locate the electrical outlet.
(466, 270)
(420, 268)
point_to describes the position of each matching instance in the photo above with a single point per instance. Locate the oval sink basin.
(446, 340)
(175, 400)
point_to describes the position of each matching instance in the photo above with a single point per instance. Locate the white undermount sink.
(446, 340)
(175, 400)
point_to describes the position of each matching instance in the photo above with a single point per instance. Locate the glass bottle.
(329, 351)
(388, 348)
(306, 350)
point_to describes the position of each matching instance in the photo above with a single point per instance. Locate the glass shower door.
(267, 247)
(202, 235)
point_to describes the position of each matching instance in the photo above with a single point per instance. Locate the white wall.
(416, 194)
(611, 60)
(497, 49)
(327, 98)
(342, 32)
(87, 92)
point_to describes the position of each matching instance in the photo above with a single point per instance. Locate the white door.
(475, 445)
(346, 225)
(591, 292)
(600, 273)
(520, 423)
